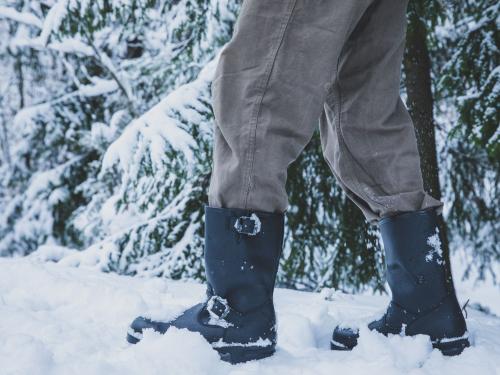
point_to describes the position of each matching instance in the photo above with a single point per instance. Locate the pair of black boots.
(242, 251)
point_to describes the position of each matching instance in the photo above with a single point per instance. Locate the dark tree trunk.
(417, 68)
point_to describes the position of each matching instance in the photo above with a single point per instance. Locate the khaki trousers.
(292, 62)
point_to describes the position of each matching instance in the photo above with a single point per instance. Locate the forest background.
(106, 140)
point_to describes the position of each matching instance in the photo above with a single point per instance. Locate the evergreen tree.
(470, 83)
(106, 139)
(121, 58)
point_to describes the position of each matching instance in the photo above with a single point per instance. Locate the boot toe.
(380, 326)
(136, 329)
(344, 338)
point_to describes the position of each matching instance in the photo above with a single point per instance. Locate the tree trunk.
(418, 82)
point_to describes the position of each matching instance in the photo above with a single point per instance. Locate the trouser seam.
(342, 142)
(336, 96)
(253, 124)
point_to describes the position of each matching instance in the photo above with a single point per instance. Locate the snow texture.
(55, 319)
(21, 17)
(52, 21)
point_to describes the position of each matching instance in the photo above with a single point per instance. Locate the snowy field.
(57, 319)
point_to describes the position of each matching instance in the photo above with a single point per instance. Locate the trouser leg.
(367, 134)
(268, 93)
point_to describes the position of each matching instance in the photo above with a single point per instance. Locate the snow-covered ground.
(56, 319)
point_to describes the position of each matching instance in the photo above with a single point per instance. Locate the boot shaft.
(242, 251)
(416, 271)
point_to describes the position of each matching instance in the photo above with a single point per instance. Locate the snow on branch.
(52, 21)
(21, 17)
(159, 126)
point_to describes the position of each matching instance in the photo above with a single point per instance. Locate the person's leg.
(367, 134)
(268, 93)
(370, 145)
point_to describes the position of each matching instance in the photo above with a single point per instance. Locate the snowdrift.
(57, 319)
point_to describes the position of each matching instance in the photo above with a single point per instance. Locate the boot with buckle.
(242, 251)
(423, 298)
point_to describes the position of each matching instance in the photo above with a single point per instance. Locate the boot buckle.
(249, 225)
(218, 307)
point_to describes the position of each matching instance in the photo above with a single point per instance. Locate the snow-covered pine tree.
(109, 149)
(97, 75)
(125, 56)
(161, 162)
(45, 159)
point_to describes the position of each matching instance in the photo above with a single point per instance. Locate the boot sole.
(447, 348)
(132, 340)
(240, 354)
(334, 345)
(451, 347)
(133, 337)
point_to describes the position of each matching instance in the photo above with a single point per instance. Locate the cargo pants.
(291, 63)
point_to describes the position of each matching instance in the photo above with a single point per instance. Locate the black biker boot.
(423, 297)
(242, 250)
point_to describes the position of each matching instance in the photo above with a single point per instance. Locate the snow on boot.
(423, 297)
(242, 250)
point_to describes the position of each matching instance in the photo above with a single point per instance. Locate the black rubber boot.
(242, 250)
(423, 297)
